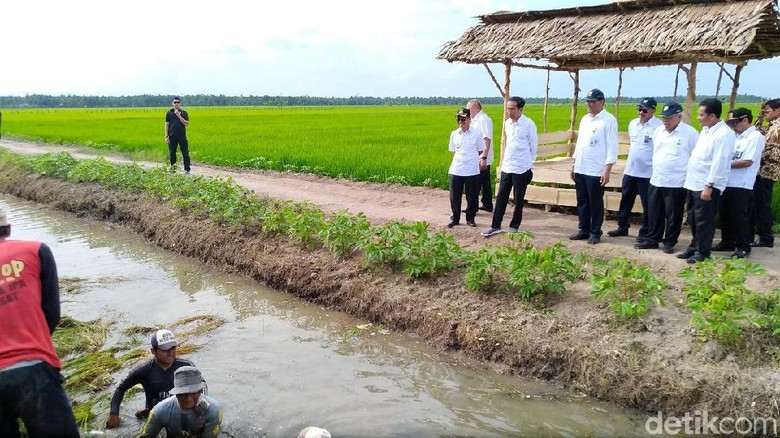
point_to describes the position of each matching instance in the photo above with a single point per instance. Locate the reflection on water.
(280, 364)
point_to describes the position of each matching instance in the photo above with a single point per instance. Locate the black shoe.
(697, 258)
(723, 247)
(646, 245)
(762, 244)
(618, 232)
(740, 254)
(471, 223)
(487, 209)
(688, 253)
(579, 236)
(668, 249)
(452, 224)
(592, 240)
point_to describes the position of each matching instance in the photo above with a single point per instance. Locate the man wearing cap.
(189, 413)
(176, 122)
(705, 179)
(522, 143)
(639, 168)
(672, 146)
(466, 144)
(155, 376)
(738, 196)
(30, 380)
(484, 125)
(594, 155)
(768, 173)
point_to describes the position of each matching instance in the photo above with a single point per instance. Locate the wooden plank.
(549, 150)
(555, 137)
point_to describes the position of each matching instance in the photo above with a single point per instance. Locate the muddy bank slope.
(570, 343)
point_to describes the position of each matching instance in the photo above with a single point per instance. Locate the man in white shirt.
(672, 146)
(467, 145)
(737, 198)
(594, 155)
(482, 123)
(639, 168)
(522, 143)
(705, 180)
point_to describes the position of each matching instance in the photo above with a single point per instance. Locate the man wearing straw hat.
(187, 413)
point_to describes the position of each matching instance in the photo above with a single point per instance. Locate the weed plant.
(629, 290)
(412, 249)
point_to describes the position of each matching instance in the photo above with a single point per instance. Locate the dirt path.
(385, 202)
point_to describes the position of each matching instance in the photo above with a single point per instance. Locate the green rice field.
(403, 144)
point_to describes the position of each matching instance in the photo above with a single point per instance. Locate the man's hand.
(142, 414)
(706, 194)
(605, 176)
(113, 421)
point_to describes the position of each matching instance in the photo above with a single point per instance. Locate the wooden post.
(677, 81)
(507, 73)
(546, 102)
(575, 76)
(735, 87)
(720, 77)
(691, 96)
(620, 86)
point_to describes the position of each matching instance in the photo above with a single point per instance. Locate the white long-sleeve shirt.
(522, 144)
(748, 146)
(640, 153)
(482, 123)
(711, 158)
(597, 143)
(671, 152)
(466, 145)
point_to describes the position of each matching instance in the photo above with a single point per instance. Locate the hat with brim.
(672, 109)
(187, 380)
(594, 95)
(739, 114)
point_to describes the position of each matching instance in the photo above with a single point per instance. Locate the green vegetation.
(630, 290)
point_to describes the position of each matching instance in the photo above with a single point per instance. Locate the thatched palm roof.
(625, 34)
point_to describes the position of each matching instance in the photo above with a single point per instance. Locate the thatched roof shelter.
(624, 34)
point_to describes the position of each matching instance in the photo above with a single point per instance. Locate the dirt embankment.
(570, 343)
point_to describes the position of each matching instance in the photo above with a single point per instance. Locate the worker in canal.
(154, 375)
(189, 413)
(30, 380)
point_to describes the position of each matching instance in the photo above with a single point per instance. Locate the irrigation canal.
(279, 364)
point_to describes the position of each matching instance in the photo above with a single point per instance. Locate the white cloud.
(342, 48)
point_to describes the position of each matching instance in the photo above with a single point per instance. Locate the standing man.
(639, 168)
(705, 179)
(467, 145)
(176, 122)
(484, 125)
(738, 196)
(30, 380)
(188, 413)
(672, 146)
(594, 155)
(155, 376)
(522, 142)
(768, 173)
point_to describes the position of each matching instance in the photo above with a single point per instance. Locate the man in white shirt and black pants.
(737, 198)
(672, 146)
(482, 123)
(708, 171)
(594, 155)
(639, 168)
(522, 143)
(466, 145)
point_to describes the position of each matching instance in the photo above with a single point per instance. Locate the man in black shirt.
(176, 122)
(155, 375)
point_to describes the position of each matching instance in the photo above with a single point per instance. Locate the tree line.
(160, 100)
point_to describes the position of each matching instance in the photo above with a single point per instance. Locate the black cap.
(740, 113)
(463, 112)
(594, 94)
(648, 103)
(671, 109)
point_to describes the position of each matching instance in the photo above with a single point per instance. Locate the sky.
(290, 47)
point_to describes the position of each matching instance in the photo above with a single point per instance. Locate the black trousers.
(590, 203)
(762, 210)
(508, 181)
(457, 184)
(182, 143)
(631, 187)
(734, 212)
(665, 206)
(486, 188)
(701, 218)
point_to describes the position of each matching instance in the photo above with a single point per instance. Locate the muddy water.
(280, 364)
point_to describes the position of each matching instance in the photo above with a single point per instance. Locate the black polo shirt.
(175, 127)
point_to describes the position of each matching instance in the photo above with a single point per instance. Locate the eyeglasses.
(176, 101)
(643, 110)
(462, 120)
